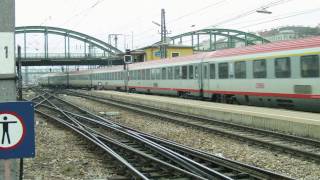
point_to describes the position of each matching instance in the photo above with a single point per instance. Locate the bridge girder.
(230, 34)
(66, 33)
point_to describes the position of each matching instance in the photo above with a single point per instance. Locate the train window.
(139, 74)
(170, 72)
(212, 71)
(259, 68)
(131, 75)
(282, 67)
(223, 70)
(153, 74)
(191, 72)
(310, 66)
(136, 72)
(240, 70)
(164, 74)
(143, 74)
(158, 73)
(177, 72)
(196, 72)
(148, 74)
(184, 72)
(205, 72)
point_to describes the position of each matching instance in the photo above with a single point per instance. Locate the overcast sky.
(102, 17)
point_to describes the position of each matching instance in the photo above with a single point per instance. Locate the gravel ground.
(209, 142)
(63, 154)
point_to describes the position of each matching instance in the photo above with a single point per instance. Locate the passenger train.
(281, 74)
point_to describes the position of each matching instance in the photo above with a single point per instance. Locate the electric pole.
(163, 46)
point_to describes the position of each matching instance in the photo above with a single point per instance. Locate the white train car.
(281, 74)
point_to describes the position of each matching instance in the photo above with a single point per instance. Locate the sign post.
(8, 168)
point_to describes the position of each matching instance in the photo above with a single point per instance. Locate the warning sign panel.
(12, 130)
(16, 130)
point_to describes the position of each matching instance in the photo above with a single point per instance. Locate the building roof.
(169, 46)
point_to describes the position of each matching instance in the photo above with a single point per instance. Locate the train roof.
(310, 42)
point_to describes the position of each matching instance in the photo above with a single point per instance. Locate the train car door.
(205, 77)
(198, 76)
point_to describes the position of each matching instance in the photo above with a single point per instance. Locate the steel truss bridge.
(107, 54)
(201, 40)
(214, 39)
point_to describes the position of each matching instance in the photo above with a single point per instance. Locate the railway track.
(146, 156)
(296, 146)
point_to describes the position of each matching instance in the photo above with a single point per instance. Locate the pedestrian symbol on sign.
(11, 130)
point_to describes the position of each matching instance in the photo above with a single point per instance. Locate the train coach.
(281, 74)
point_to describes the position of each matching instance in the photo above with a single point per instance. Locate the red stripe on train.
(265, 94)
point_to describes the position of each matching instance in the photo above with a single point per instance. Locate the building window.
(212, 71)
(310, 66)
(223, 70)
(259, 68)
(164, 74)
(282, 67)
(184, 72)
(175, 54)
(191, 72)
(240, 70)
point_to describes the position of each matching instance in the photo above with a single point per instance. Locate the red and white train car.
(281, 74)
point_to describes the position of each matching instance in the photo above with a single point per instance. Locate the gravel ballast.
(206, 141)
(63, 154)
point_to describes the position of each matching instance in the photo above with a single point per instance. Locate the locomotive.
(282, 74)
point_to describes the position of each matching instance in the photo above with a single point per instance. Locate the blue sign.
(157, 53)
(17, 139)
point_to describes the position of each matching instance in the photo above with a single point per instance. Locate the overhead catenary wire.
(267, 5)
(186, 15)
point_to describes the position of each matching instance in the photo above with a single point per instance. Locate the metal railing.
(63, 55)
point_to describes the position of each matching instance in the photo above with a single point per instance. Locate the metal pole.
(25, 44)
(198, 42)
(65, 46)
(68, 46)
(210, 41)
(132, 40)
(9, 167)
(20, 99)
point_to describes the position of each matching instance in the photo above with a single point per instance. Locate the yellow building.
(153, 52)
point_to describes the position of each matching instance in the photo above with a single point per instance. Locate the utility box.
(7, 55)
